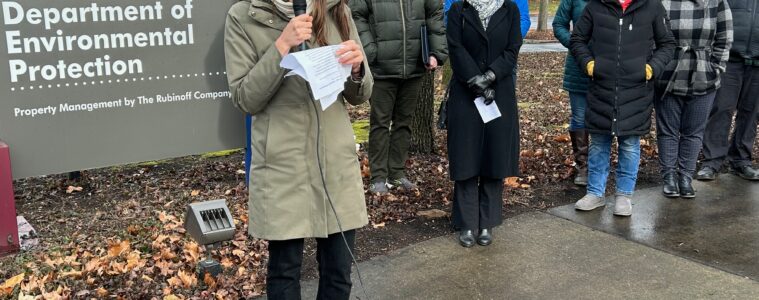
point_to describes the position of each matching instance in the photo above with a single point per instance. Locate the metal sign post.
(9, 242)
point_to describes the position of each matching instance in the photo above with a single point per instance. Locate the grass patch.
(222, 153)
(361, 131)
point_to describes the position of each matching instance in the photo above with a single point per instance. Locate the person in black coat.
(622, 46)
(483, 40)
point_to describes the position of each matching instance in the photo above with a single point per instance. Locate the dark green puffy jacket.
(390, 32)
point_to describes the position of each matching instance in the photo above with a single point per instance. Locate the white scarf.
(486, 9)
(286, 7)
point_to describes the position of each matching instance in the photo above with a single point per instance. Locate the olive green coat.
(287, 199)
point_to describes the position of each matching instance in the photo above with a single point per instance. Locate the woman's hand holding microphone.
(295, 33)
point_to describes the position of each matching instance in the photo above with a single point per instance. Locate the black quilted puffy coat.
(620, 99)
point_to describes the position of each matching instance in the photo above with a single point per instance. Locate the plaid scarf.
(486, 9)
(703, 30)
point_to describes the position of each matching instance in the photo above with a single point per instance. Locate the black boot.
(747, 172)
(669, 185)
(466, 238)
(580, 146)
(686, 187)
(485, 238)
(706, 173)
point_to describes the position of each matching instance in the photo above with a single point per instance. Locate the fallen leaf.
(432, 214)
(564, 138)
(192, 252)
(171, 297)
(378, 225)
(512, 182)
(7, 287)
(227, 263)
(195, 193)
(209, 281)
(165, 267)
(72, 189)
(133, 229)
(74, 274)
(101, 292)
(188, 279)
(239, 253)
(118, 248)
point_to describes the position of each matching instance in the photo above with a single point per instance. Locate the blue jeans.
(598, 163)
(578, 102)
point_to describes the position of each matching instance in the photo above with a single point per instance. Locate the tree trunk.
(422, 132)
(543, 16)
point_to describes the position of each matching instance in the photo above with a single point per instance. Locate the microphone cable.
(329, 198)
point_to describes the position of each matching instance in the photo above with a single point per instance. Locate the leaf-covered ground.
(117, 232)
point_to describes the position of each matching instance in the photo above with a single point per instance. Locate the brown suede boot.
(580, 146)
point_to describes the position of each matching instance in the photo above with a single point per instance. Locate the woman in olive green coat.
(288, 200)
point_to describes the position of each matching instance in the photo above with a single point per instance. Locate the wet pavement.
(539, 256)
(719, 228)
(542, 47)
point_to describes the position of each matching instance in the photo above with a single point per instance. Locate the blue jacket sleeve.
(524, 16)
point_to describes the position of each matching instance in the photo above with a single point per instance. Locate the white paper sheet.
(487, 112)
(320, 67)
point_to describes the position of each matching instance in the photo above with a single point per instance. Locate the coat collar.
(265, 13)
(470, 14)
(633, 6)
(498, 17)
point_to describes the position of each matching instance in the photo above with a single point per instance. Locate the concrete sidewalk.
(539, 256)
(542, 47)
(719, 228)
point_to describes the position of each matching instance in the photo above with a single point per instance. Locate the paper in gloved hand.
(320, 67)
(487, 112)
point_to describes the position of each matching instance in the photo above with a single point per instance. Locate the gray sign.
(98, 83)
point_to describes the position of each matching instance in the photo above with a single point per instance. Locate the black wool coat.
(474, 148)
(620, 99)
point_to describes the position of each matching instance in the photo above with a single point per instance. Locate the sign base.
(8, 227)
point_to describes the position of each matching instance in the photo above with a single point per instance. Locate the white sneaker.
(623, 206)
(590, 202)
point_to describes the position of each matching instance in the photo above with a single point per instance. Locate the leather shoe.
(686, 187)
(747, 172)
(669, 185)
(485, 238)
(706, 174)
(466, 238)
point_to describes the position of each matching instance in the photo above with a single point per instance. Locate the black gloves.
(480, 83)
(489, 95)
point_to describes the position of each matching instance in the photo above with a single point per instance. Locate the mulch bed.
(117, 232)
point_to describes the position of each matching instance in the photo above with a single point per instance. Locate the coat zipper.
(616, 83)
(403, 23)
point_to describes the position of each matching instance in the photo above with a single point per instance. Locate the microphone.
(299, 7)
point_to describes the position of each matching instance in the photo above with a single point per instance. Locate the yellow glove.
(590, 66)
(649, 72)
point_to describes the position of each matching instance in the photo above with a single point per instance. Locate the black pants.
(477, 203)
(286, 258)
(740, 90)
